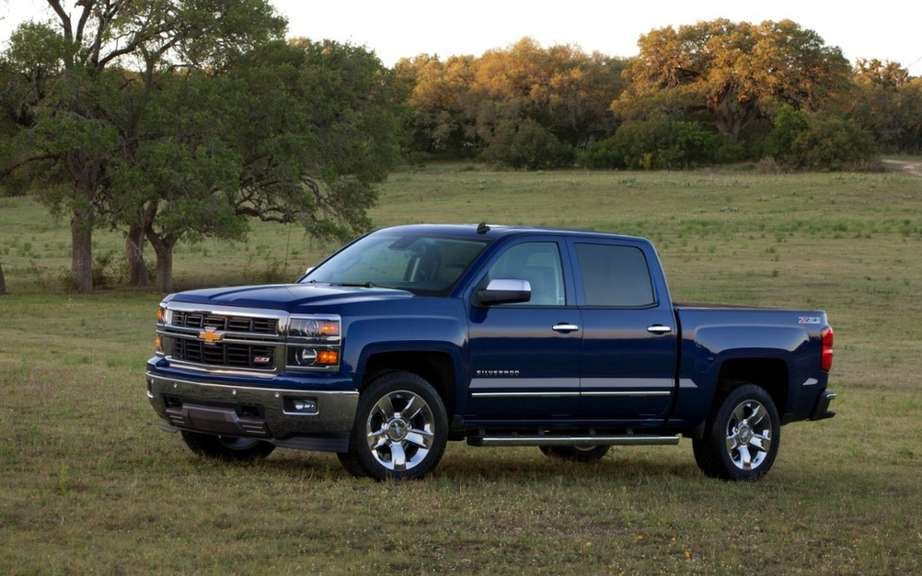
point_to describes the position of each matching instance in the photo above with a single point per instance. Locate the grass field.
(89, 485)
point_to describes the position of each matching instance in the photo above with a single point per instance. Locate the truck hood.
(288, 297)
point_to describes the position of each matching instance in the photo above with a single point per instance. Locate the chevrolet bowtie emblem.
(210, 335)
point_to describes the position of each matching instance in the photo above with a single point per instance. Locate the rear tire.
(227, 447)
(742, 436)
(575, 453)
(400, 429)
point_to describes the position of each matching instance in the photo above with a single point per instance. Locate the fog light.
(307, 356)
(300, 406)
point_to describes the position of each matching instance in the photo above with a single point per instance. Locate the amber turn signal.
(158, 344)
(327, 357)
(329, 328)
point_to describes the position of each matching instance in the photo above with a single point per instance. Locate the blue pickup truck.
(412, 336)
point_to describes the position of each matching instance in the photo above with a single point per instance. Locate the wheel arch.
(435, 363)
(769, 373)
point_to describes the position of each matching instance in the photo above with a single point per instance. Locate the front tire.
(400, 430)
(575, 453)
(742, 436)
(227, 447)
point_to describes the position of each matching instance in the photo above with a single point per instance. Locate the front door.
(629, 333)
(525, 356)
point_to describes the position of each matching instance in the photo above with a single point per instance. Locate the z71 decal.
(809, 320)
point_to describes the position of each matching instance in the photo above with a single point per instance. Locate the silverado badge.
(210, 336)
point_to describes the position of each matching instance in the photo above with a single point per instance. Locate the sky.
(886, 29)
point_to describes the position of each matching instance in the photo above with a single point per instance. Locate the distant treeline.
(173, 121)
(716, 91)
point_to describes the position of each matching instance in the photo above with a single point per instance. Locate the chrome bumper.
(231, 410)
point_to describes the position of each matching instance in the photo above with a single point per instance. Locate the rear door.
(525, 357)
(629, 333)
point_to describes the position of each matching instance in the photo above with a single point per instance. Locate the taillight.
(826, 358)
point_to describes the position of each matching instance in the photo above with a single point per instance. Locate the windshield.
(421, 264)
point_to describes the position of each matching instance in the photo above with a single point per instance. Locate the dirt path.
(908, 166)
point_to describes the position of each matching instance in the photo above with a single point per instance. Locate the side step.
(549, 440)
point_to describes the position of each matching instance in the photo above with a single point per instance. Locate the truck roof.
(496, 231)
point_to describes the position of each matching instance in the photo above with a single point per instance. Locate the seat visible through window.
(537, 262)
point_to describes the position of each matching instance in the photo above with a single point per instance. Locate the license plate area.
(217, 419)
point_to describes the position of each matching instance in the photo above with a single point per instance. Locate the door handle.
(565, 327)
(659, 329)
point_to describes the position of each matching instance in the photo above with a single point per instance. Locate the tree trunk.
(81, 234)
(163, 246)
(134, 253)
(2, 281)
(165, 270)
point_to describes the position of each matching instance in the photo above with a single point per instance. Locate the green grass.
(90, 485)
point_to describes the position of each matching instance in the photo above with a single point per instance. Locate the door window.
(537, 262)
(615, 276)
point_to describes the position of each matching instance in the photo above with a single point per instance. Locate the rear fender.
(707, 349)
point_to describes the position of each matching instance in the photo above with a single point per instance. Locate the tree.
(295, 132)
(736, 73)
(887, 101)
(884, 74)
(78, 100)
(437, 94)
(176, 183)
(465, 104)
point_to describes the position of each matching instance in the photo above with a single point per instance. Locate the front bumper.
(229, 409)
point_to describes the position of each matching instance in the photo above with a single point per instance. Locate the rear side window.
(614, 275)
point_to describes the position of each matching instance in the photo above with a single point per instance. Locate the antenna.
(483, 228)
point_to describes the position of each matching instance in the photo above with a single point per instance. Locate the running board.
(548, 440)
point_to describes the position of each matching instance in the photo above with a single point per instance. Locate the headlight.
(314, 342)
(307, 357)
(311, 327)
(163, 318)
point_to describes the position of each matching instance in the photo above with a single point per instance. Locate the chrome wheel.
(400, 430)
(749, 435)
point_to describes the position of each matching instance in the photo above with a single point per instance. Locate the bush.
(834, 143)
(788, 125)
(527, 144)
(660, 143)
(818, 141)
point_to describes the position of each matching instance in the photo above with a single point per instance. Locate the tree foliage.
(491, 104)
(291, 133)
(81, 85)
(818, 140)
(658, 143)
(887, 101)
(178, 119)
(736, 72)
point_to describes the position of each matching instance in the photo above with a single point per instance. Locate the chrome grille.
(229, 354)
(223, 322)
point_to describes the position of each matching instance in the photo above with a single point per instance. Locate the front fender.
(442, 331)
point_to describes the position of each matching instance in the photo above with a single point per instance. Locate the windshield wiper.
(354, 284)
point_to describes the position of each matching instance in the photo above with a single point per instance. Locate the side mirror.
(505, 291)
